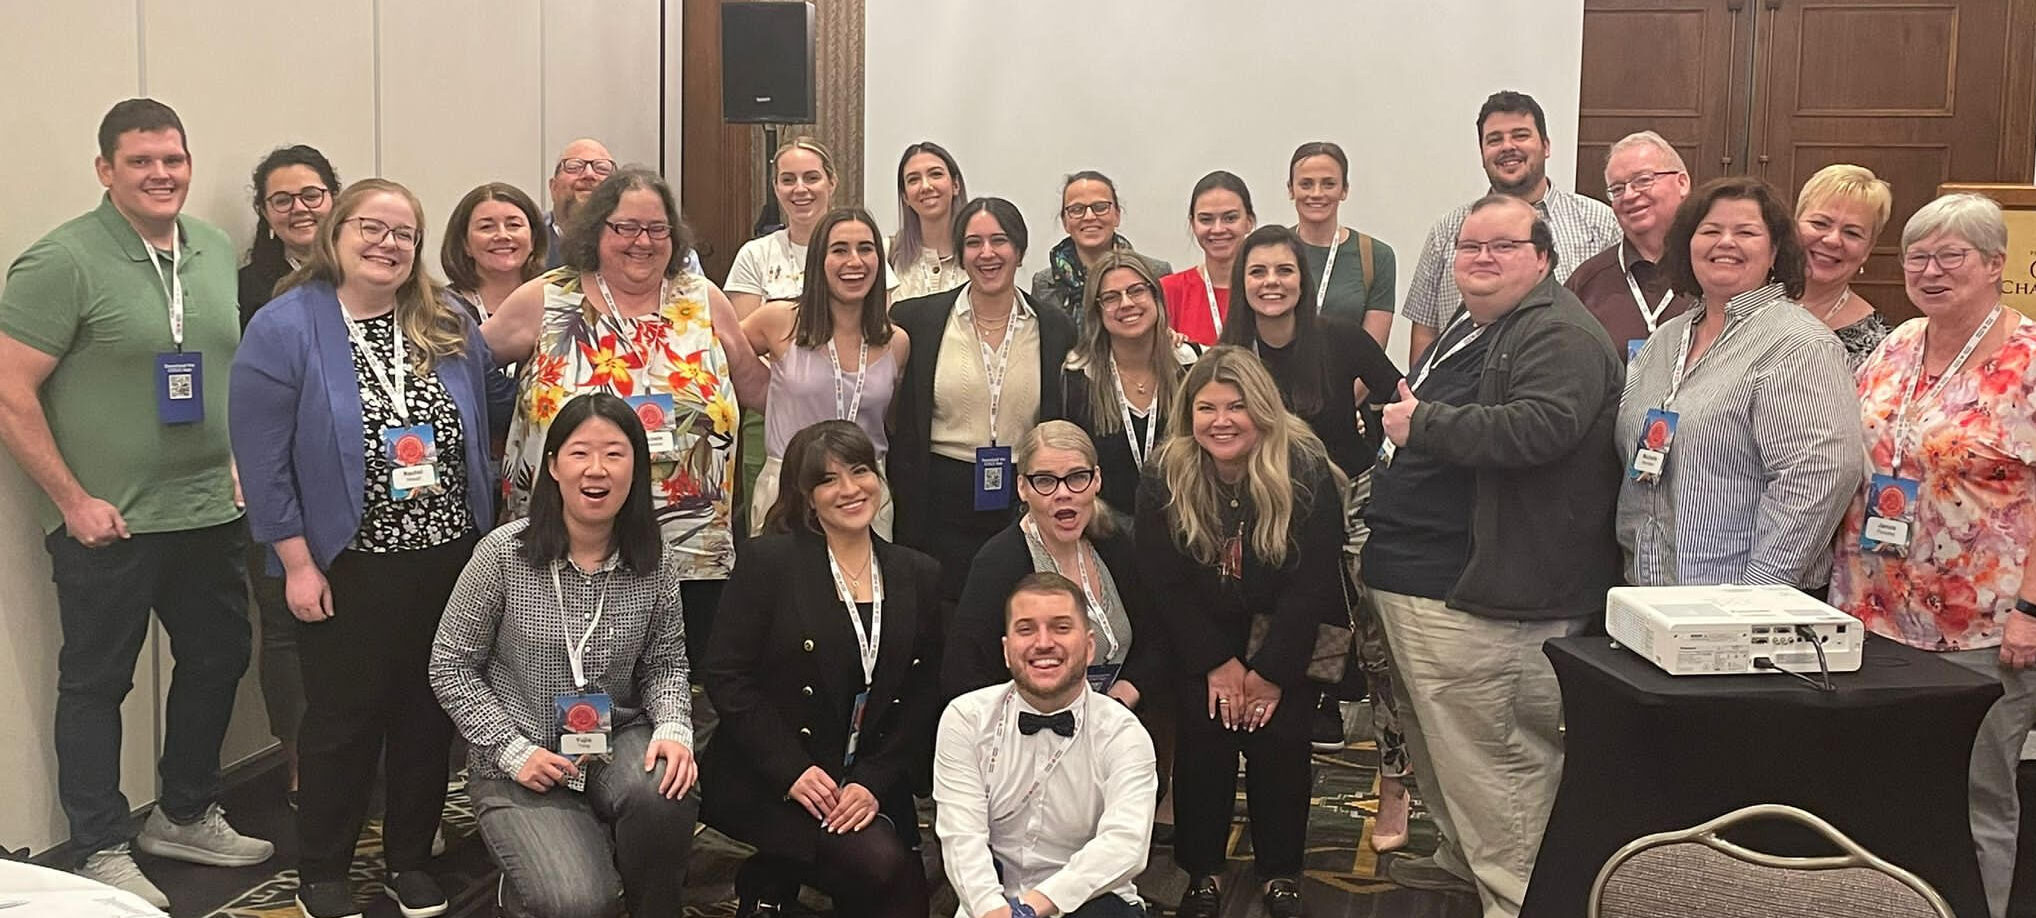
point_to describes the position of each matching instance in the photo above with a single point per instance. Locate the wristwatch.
(1020, 910)
(2025, 607)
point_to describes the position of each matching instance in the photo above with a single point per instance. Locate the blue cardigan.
(294, 412)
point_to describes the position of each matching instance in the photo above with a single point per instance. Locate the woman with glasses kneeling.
(823, 673)
(562, 660)
(1240, 535)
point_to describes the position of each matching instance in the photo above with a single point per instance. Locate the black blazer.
(924, 319)
(975, 657)
(783, 670)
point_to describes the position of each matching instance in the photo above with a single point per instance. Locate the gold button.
(803, 731)
(915, 661)
(809, 645)
(807, 691)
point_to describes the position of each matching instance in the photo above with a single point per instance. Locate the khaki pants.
(1481, 711)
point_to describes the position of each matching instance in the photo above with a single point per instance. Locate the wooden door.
(1920, 91)
(1668, 67)
(718, 164)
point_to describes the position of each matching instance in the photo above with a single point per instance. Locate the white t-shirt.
(773, 267)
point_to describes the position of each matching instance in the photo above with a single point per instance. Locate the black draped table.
(1884, 759)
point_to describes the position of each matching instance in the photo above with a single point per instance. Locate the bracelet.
(2025, 607)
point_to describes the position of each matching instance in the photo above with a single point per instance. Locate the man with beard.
(1513, 137)
(580, 168)
(1045, 789)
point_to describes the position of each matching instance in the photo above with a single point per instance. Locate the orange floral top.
(1974, 451)
(672, 352)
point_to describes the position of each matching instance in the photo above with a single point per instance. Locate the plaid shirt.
(1583, 227)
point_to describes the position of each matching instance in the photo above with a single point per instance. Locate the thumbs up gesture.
(1399, 416)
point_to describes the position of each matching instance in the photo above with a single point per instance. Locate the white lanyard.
(1002, 355)
(1435, 359)
(1328, 268)
(1124, 411)
(1649, 316)
(866, 641)
(173, 288)
(480, 305)
(1209, 288)
(576, 654)
(391, 388)
(997, 741)
(1087, 583)
(862, 374)
(1910, 379)
(622, 332)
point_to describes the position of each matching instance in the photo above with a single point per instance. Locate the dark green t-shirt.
(1351, 294)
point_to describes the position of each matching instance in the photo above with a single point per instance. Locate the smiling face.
(1272, 280)
(1645, 213)
(804, 189)
(1317, 188)
(1515, 153)
(1492, 280)
(594, 468)
(845, 500)
(1128, 307)
(295, 224)
(149, 175)
(1047, 644)
(1220, 223)
(851, 261)
(385, 263)
(1062, 515)
(1937, 291)
(1837, 236)
(569, 189)
(929, 187)
(640, 259)
(988, 255)
(1222, 426)
(1731, 251)
(498, 238)
(1090, 230)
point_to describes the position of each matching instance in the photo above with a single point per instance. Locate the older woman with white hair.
(1936, 552)
(1839, 213)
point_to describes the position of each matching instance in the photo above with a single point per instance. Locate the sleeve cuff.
(675, 733)
(987, 901)
(1060, 890)
(514, 755)
(1758, 574)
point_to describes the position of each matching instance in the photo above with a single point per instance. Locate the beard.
(1070, 674)
(1527, 185)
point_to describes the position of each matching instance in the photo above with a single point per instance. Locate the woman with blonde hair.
(1839, 213)
(1240, 535)
(1124, 370)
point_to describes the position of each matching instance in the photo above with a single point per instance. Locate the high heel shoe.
(1389, 829)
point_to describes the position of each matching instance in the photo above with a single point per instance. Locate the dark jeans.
(1108, 905)
(282, 683)
(196, 581)
(1277, 783)
(959, 529)
(365, 687)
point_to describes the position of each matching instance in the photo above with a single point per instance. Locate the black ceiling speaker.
(767, 62)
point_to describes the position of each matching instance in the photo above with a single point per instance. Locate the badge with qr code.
(180, 387)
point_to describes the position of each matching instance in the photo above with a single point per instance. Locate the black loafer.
(1202, 900)
(1283, 898)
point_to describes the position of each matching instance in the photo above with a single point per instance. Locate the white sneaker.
(209, 841)
(115, 867)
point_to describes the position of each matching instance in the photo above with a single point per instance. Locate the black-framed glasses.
(630, 229)
(1099, 208)
(1641, 182)
(1138, 292)
(310, 197)
(1499, 248)
(1948, 259)
(1045, 483)
(374, 231)
(576, 165)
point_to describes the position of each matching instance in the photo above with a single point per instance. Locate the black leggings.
(868, 874)
(1277, 783)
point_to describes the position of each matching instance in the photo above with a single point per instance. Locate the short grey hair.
(1974, 218)
(1646, 139)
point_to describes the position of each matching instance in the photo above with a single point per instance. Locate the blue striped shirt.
(1766, 452)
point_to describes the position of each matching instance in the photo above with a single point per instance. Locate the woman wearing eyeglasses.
(293, 189)
(360, 431)
(1090, 213)
(1121, 376)
(624, 316)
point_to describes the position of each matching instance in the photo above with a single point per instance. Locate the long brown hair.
(805, 464)
(433, 330)
(1092, 353)
(813, 323)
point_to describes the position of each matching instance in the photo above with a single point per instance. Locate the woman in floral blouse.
(1936, 553)
(624, 316)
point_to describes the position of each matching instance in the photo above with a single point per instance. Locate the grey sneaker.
(209, 841)
(115, 867)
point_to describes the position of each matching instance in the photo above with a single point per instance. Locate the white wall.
(441, 96)
(1156, 93)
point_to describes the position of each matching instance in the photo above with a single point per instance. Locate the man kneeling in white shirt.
(1045, 788)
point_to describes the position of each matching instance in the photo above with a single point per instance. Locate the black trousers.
(1277, 782)
(365, 688)
(959, 529)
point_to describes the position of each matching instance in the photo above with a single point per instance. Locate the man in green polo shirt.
(116, 333)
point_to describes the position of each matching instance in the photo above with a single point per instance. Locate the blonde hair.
(432, 330)
(1847, 182)
(1068, 437)
(810, 145)
(1284, 441)
(1091, 354)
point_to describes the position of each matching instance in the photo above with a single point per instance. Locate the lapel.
(822, 617)
(334, 363)
(933, 331)
(901, 625)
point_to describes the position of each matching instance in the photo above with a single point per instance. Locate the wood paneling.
(717, 176)
(1665, 67)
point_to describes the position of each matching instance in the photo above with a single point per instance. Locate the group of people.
(870, 522)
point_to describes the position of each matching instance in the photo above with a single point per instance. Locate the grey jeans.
(1996, 811)
(588, 855)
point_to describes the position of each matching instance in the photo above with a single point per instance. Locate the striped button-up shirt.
(1583, 227)
(500, 662)
(1765, 457)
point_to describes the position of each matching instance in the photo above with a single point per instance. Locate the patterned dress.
(672, 352)
(1974, 450)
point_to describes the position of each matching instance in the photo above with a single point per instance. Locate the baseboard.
(247, 768)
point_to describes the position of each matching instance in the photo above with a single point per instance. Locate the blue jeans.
(572, 855)
(196, 582)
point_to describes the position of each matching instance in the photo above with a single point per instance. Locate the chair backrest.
(1695, 873)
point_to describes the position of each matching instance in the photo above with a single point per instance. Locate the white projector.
(1723, 630)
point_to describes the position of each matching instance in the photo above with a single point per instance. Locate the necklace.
(855, 579)
(1844, 296)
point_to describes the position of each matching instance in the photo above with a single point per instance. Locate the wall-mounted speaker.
(767, 62)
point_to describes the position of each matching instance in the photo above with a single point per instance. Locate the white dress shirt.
(1068, 817)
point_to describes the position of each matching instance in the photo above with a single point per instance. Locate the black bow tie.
(1062, 723)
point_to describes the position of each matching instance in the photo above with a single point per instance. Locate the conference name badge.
(1103, 675)
(413, 451)
(585, 721)
(180, 387)
(862, 703)
(656, 413)
(1890, 515)
(994, 485)
(1633, 347)
(1657, 435)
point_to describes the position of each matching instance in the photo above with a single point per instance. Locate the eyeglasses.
(1045, 483)
(374, 232)
(1500, 248)
(1099, 208)
(632, 229)
(1948, 259)
(1139, 292)
(1641, 182)
(309, 197)
(575, 166)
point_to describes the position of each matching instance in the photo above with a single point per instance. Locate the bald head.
(569, 187)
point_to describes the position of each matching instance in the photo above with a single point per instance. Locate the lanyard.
(1328, 268)
(1909, 381)
(1435, 359)
(576, 654)
(1209, 288)
(866, 641)
(391, 388)
(1002, 356)
(622, 331)
(1682, 354)
(1649, 316)
(1124, 411)
(853, 407)
(173, 288)
(1087, 583)
(998, 739)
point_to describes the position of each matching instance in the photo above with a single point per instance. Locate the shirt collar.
(1026, 706)
(1752, 301)
(964, 310)
(128, 238)
(1630, 255)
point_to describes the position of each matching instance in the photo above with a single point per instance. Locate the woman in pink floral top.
(1936, 552)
